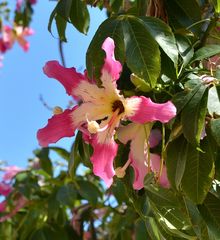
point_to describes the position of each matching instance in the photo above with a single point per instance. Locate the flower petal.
(155, 166)
(102, 160)
(68, 77)
(148, 111)
(10, 172)
(128, 132)
(60, 125)
(111, 66)
(138, 158)
(5, 189)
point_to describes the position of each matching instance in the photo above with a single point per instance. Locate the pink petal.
(59, 126)
(111, 66)
(68, 77)
(10, 172)
(25, 45)
(138, 158)
(148, 111)
(140, 171)
(5, 189)
(155, 166)
(155, 137)
(102, 160)
(18, 5)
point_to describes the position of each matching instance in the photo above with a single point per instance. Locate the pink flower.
(100, 112)
(10, 172)
(11, 35)
(140, 157)
(5, 189)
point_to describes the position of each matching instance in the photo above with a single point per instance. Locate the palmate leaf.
(142, 52)
(136, 40)
(164, 36)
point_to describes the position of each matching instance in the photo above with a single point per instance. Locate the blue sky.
(22, 81)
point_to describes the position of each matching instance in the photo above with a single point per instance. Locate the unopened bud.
(120, 172)
(57, 110)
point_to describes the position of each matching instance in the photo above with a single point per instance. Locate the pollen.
(118, 105)
(57, 110)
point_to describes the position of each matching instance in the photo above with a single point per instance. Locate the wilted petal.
(68, 77)
(148, 111)
(59, 126)
(102, 160)
(155, 166)
(111, 66)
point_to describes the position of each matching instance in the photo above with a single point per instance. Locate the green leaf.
(74, 156)
(164, 36)
(142, 51)
(45, 162)
(89, 191)
(214, 101)
(61, 14)
(177, 152)
(199, 171)
(206, 52)
(210, 211)
(79, 16)
(140, 84)
(141, 230)
(153, 229)
(182, 14)
(95, 55)
(193, 115)
(215, 130)
(61, 27)
(216, 4)
(185, 48)
(66, 195)
(181, 99)
(46, 232)
(168, 206)
(61, 152)
(198, 224)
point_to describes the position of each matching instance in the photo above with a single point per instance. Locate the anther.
(57, 110)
